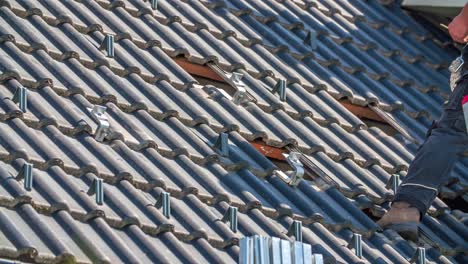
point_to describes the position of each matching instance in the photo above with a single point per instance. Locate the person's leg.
(430, 168)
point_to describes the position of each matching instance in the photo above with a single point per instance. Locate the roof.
(164, 124)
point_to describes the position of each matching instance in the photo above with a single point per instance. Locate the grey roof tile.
(164, 127)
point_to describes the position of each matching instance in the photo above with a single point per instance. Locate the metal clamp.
(231, 216)
(164, 202)
(234, 79)
(97, 188)
(295, 230)
(21, 98)
(103, 129)
(356, 243)
(222, 144)
(292, 177)
(280, 89)
(26, 173)
(393, 183)
(311, 39)
(154, 4)
(419, 256)
(108, 45)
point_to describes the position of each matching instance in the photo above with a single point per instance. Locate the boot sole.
(407, 230)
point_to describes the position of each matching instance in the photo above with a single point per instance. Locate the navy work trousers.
(446, 141)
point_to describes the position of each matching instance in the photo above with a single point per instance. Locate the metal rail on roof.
(392, 122)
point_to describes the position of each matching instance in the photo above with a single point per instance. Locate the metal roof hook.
(294, 177)
(234, 79)
(419, 256)
(108, 45)
(356, 243)
(311, 39)
(280, 89)
(26, 173)
(21, 98)
(97, 188)
(231, 216)
(154, 4)
(393, 183)
(222, 144)
(103, 128)
(295, 230)
(164, 202)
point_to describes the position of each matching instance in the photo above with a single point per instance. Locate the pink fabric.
(465, 100)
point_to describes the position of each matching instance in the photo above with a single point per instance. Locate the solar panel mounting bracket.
(103, 128)
(21, 97)
(294, 177)
(280, 89)
(234, 79)
(295, 229)
(231, 216)
(356, 244)
(97, 188)
(164, 202)
(393, 183)
(26, 173)
(108, 45)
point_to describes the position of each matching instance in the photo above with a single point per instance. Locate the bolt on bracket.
(103, 128)
(294, 177)
(26, 173)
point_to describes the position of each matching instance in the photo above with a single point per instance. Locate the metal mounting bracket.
(222, 144)
(26, 173)
(21, 98)
(280, 89)
(154, 4)
(103, 128)
(419, 256)
(311, 39)
(295, 230)
(164, 201)
(356, 243)
(231, 216)
(108, 45)
(97, 188)
(234, 79)
(292, 177)
(393, 183)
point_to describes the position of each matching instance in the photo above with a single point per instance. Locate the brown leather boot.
(402, 218)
